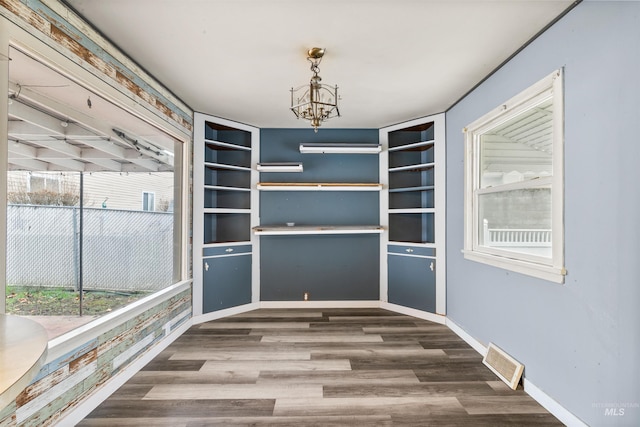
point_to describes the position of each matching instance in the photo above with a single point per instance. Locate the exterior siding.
(123, 190)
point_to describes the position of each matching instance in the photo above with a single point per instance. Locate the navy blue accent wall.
(329, 267)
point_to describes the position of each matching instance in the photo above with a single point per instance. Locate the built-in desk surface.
(23, 349)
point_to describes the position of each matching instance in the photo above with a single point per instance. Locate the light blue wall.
(579, 342)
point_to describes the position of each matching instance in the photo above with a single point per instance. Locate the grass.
(37, 301)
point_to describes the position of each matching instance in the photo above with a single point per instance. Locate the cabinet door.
(412, 282)
(226, 282)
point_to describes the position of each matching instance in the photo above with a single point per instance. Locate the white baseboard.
(538, 395)
(436, 318)
(558, 411)
(91, 402)
(319, 304)
(215, 315)
(477, 345)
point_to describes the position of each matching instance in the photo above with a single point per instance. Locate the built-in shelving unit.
(413, 207)
(225, 156)
(411, 184)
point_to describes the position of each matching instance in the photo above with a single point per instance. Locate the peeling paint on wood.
(86, 368)
(46, 18)
(83, 361)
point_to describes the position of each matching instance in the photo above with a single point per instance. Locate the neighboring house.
(127, 190)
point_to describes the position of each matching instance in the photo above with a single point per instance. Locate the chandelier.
(315, 102)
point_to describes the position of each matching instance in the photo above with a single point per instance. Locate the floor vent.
(504, 366)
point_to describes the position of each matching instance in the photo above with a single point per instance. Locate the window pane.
(519, 149)
(516, 220)
(128, 248)
(80, 241)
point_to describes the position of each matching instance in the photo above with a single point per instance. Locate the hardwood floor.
(325, 367)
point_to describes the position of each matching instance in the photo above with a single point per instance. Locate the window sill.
(65, 343)
(552, 274)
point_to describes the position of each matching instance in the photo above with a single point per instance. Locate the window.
(79, 242)
(40, 182)
(514, 170)
(148, 201)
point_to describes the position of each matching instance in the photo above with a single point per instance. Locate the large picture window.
(514, 183)
(80, 243)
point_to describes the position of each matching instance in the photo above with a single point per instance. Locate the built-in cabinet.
(412, 166)
(225, 209)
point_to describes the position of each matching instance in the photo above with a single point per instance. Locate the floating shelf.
(340, 148)
(283, 230)
(318, 186)
(279, 167)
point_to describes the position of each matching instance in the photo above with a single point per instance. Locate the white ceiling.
(393, 60)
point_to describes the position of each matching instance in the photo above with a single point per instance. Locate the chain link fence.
(127, 251)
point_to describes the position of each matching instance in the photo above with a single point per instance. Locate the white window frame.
(551, 269)
(47, 177)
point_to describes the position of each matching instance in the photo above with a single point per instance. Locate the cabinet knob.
(431, 266)
(206, 266)
(409, 250)
(229, 250)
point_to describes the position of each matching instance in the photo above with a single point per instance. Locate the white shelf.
(219, 187)
(225, 211)
(318, 186)
(420, 166)
(412, 244)
(225, 244)
(411, 189)
(279, 167)
(283, 230)
(227, 167)
(339, 148)
(414, 146)
(412, 210)
(226, 145)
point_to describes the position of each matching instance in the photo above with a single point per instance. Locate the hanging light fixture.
(315, 102)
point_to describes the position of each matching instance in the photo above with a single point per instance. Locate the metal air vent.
(504, 366)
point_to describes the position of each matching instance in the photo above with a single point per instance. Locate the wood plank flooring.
(325, 367)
